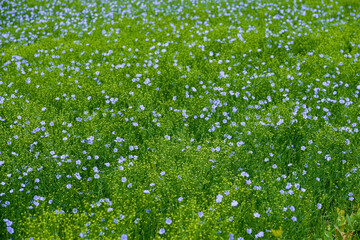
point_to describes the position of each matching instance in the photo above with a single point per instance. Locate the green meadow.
(179, 119)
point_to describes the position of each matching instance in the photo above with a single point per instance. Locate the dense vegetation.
(179, 119)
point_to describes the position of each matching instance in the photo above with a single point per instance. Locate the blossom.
(219, 198)
(234, 203)
(200, 214)
(259, 235)
(168, 221)
(10, 230)
(162, 231)
(244, 174)
(319, 205)
(257, 215)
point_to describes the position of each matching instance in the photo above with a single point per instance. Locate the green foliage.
(345, 226)
(179, 119)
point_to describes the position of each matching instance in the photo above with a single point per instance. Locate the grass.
(179, 119)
